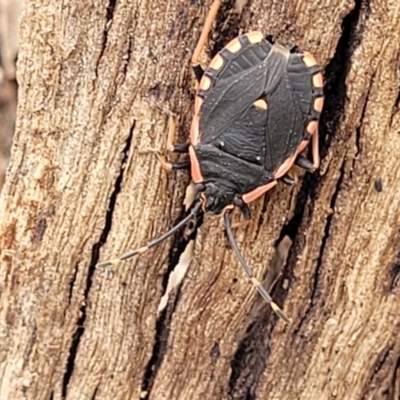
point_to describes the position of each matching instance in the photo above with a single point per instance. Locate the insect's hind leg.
(197, 69)
(315, 149)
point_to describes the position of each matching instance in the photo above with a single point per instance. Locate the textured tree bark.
(84, 185)
(8, 107)
(9, 16)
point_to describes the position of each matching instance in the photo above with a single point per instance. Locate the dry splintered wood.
(97, 82)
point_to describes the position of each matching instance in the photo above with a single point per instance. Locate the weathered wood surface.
(83, 183)
(9, 17)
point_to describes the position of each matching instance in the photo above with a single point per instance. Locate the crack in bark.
(338, 68)
(96, 389)
(159, 348)
(382, 358)
(395, 273)
(358, 129)
(324, 241)
(250, 360)
(394, 383)
(396, 106)
(91, 269)
(127, 59)
(379, 364)
(72, 283)
(397, 101)
(109, 17)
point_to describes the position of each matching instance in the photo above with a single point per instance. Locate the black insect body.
(255, 111)
(257, 107)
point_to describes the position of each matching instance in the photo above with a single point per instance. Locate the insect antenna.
(264, 293)
(155, 242)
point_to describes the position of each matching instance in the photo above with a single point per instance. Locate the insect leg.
(198, 71)
(315, 149)
(305, 163)
(185, 164)
(290, 178)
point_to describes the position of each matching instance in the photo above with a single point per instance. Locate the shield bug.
(256, 109)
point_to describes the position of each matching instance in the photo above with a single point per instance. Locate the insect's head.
(216, 197)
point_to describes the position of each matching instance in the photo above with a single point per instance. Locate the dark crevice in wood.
(95, 392)
(127, 59)
(110, 11)
(395, 385)
(215, 352)
(8, 102)
(397, 101)
(381, 360)
(324, 240)
(250, 359)
(72, 283)
(293, 228)
(181, 240)
(360, 124)
(380, 364)
(94, 259)
(109, 16)
(396, 106)
(159, 348)
(336, 72)
(395, 273)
